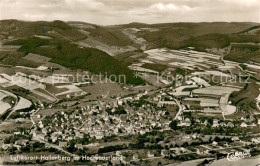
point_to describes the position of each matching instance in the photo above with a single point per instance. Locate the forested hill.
(74, 57)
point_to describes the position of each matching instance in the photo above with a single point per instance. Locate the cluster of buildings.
(101, 120)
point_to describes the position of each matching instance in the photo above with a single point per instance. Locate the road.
(179, 105)
(52, 95)
(13, 110)
(180, 109)
(257, 104)
(31, 116)
(252, 161)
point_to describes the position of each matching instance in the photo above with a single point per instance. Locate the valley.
(145, 93)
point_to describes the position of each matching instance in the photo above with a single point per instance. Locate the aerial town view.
(113, 82)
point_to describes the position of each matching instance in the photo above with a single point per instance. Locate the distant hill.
(175, 35)
(136, 25)
(55, 29)
(217, 40)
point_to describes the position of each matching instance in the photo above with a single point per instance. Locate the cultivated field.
(185, 59)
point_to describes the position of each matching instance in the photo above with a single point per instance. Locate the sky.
(111, 12)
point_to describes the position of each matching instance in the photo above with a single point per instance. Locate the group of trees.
(155, 67)
(174, 125)
(71, 145)
(17, 115)
(112, 148)
(184, 157)
(120, 110)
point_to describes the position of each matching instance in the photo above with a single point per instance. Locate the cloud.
(85, 4)
(125, 11)
(170, 7)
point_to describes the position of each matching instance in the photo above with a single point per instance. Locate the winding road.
(180, 109)
(16, 102)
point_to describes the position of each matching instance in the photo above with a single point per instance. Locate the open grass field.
(22, 104)
(12, 126)
(15, 58)
(237, 116)
(100, 89)
(71, 89)
(7, 70)
(152, 79)
(48, 112)
(3, 107)
(54, 89)
(21, 80)
(43, 95)
(36, 58)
